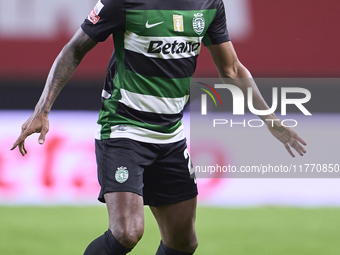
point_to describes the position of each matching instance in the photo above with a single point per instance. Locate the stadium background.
(292, 38)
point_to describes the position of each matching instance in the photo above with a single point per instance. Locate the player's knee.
(129, 237)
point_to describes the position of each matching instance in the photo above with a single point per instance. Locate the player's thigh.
(126, 216)
(119, 166)
(120, 175)
(168, 180)
(177, 224)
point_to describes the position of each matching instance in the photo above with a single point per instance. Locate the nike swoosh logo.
(147, 25)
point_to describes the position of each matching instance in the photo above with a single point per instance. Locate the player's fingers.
(13, 146)
(21, 139)
(301, 153)
(289, 150)
(302, 150)
(295, 144)
(42, 136)
(22, 149)
(300, 140)
(41, 139)
(17, 142)
(297, 137)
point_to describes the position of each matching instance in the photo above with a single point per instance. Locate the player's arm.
(61, 71)
(229, 66)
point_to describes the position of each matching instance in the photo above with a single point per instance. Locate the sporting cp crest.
(198, 23)
(122, 174)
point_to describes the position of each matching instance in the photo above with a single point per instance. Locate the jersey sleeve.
(106, 18)
(217, 32)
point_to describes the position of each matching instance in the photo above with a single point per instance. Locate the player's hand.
(288, 137)
(37, 123)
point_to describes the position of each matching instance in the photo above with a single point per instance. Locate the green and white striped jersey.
(148, 78)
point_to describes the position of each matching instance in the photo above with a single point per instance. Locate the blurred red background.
(291, 38)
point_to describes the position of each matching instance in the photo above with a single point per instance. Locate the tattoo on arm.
(63, 68)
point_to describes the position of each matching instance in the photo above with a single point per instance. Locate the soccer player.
(141, 150)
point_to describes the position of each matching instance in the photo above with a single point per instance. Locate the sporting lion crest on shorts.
(122, 174)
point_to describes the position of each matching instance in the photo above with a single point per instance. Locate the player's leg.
(121, 178)
(126, 217)
(177, 226)
(170, 190)
(126, 225)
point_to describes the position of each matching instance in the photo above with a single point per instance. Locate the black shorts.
(158, 172)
